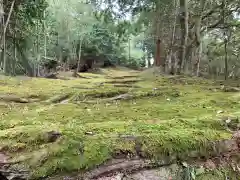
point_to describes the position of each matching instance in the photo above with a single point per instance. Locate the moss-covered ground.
(168, 115)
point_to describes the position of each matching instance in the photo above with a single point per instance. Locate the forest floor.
(61, 126)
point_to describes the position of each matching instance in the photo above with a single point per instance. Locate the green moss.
(166, 117)
(219, 174)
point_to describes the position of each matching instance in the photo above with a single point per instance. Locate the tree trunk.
(1, 9)
(158, 53)
(198, 40)
(129, 50)
(183, 18)
(45, 37)
(170, 56)
(199, 55)
(3, 37)
(157, 41)
(1, 19)
(225, 59)
(226, 39)
(148, 61)
(79, 54)
(3, 44)
(15, 56)
(198, 44)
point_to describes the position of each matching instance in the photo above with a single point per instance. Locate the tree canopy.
(196, 37)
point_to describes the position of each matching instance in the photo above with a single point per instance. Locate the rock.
(163, 173)
(2, 177)
(89, 133)
(127, 166)
(15, 172)
(52, 136)
(210, 164)
(236, 135)
(220, 112)
(225, 146)
(184, 164)
(231, 89)
(193, 154)
(200, 171)
(231, 123)
(228, 121)
(234, 124)
(3, 159)
(115, 177)
(51, 76)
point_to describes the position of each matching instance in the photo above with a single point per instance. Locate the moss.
(167, 117)
(219, 174)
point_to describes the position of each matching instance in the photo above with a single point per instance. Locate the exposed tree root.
(76, 75)
(59, 98)
(17, 175)
(221, 148)
(51, 76)
(13, 98)
(230, 89)
(121, 97)
(82, 87)
(123, 81)
(124, 77)
(126, 85)
(126, 166)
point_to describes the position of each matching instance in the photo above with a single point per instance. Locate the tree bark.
(170, 56)
(158, 52)
(157, 58)
(79, 54)
(225, 58)
(183, 18)
(226, 38)
(3, 44)
(198, 40)
(38, 51)
(45, 37)
(199, 55)
(15, 56)
(129, 50)
(1, 18)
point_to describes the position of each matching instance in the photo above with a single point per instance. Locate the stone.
(200, 170)
(220, 112)
(164, 173)
(231, 89)
(3, 159)
(52, 136)
(115, 177)
(225, 146)
(236, 135)
(210, 165)
(89, 133)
